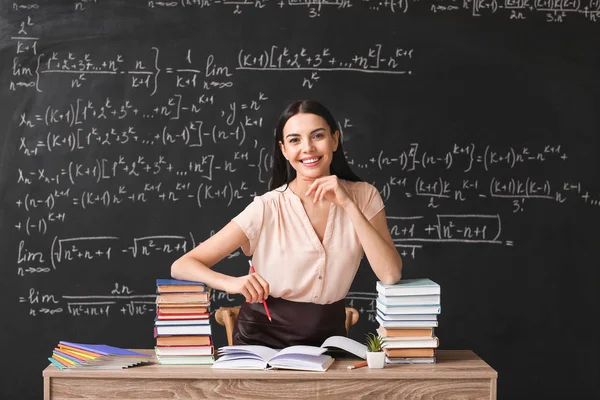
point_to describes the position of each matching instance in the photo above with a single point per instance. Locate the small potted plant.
(375, 353)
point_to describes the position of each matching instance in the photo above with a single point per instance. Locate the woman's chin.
(311, 176)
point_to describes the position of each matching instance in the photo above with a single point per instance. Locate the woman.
(306, 237)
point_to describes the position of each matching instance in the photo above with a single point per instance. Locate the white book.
(183, 330)
(402, 338)
(407, 317)
(305, 358)
(406, 324)
(425, 299)
(183, 350)
(431, 342)
(185, 360)
(406, 287)
(413, 309)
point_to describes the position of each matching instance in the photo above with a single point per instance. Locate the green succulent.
(374, 342)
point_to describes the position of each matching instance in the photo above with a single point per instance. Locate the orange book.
(403, 332)
(77, 355)
(418, 352)
(183, 340)
(182, 310)
(60, 361)
(168, 298)
(88, 353)
(64, 361)
(180, 289)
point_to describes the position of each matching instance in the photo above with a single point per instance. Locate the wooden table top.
(451, 364)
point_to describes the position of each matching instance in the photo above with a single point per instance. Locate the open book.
(305, 358)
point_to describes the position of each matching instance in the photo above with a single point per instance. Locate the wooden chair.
(226, 316)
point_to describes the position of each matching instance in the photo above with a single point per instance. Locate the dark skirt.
(293, 323)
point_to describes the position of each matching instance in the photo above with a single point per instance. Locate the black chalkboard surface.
(132, 131)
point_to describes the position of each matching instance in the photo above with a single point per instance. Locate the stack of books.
(182, 325)
(69, 355)
(407, 314)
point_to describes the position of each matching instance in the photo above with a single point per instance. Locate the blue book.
(56, 363)
(168, 282)
(179, 286)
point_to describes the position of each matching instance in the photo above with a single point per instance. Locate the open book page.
(347, 344)
(263, 352)
(244, 357)
(306, 358)
(302, 362)
(232, 361)
(300, 349)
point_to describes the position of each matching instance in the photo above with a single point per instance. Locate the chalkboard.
(133, 130)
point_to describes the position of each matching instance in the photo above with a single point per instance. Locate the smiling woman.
(308, 145)
(306, 237)
(322, 130)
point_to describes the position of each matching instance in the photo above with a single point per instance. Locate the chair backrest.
(226, 316)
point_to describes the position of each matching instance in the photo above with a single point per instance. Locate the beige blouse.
(287, 252)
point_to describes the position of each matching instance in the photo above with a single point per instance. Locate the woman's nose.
(308, 145)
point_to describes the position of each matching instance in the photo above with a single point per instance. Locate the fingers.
(312, 187)
(247, 296)
(320, 193)
(316, 185)
(255, 288)
(249, 292)
(264, 284)
(322, 189)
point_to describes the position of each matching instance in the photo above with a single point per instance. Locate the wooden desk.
(459, 374)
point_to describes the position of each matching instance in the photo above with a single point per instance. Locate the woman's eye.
(293, 140)
(318, 136)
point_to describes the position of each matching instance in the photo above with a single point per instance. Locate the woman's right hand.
(252, 286)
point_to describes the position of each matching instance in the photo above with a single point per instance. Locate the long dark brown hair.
(283, 173)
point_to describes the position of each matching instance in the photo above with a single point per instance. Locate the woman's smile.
(311, 161)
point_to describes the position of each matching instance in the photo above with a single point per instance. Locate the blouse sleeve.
(250, 221)
(371, 202)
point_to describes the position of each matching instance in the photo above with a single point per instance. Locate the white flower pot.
(375, 359)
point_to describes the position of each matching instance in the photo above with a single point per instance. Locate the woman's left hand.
(329, 187)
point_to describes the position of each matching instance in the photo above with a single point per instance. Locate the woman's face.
(308, 144)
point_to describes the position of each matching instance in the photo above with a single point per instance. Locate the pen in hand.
(264, 301)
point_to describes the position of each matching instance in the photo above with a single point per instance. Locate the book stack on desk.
(407, 314)
(69, 355)
(182, 326)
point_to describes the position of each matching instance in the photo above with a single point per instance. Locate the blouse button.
(320, 277)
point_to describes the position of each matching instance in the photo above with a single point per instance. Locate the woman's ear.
(282, 148)
(336, 140)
